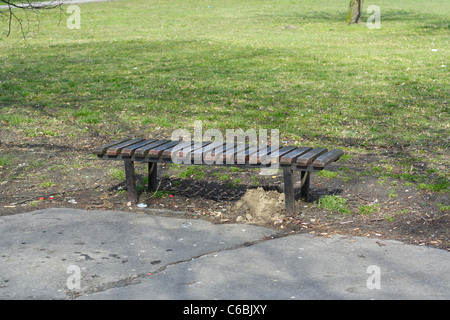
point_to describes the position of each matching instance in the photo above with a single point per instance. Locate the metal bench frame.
(153, 151)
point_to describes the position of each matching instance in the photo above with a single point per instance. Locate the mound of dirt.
(258, 206)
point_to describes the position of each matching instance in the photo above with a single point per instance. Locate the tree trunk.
(354, 11)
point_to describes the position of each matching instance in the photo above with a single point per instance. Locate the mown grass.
(291, 65)
(334, 203)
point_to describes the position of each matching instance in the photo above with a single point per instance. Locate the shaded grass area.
(293, 66)
(145, 68)
(238, 89)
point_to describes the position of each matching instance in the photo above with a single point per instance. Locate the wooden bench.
(153, 151)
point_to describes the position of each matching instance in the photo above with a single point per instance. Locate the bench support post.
(289, 196)
(152, 176)
(306, 178)
(131, 181)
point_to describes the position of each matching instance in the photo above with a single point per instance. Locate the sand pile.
(259, 206)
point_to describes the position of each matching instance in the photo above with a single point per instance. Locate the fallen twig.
(157, 188)
(22, 201)
(34, 197)
(361, 197)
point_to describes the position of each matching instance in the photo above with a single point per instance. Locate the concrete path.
(78, 254)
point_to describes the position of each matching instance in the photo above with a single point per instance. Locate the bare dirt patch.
(381, 206)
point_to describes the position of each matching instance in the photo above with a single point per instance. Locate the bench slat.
(226, 155)
(129, 151)
(102, 150)
(292, 156)
(167, 153)
(218, 151)
(156, 152)
(243, 156)
(281, 152)
(210, 147)
(307, 158)
(263, 150)
(212, 154)
(142, 151)
(198, 154)
(186, 153)
(327, 158)
(115, 150)
(227, 152)
(229, 155)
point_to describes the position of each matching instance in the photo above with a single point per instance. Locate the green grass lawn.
(291, 65)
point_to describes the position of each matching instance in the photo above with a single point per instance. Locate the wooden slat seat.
(307, 158)
(243, 155)
(115, 150)
(289, 158)
(214, 153)
(185, 151)
(263, 151)
(143, 151)
(200, 153)
(102, 150)
(292, 156)
(156, 152)
(170, 152)
(230, 155)
(129, 150)
(325, 159)
(277, 154)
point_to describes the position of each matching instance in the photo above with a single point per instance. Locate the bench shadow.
(218, 191)
(316, 193)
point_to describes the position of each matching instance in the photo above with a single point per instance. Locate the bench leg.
(152, 176)
(304, 192)
(131, 181)
(289, 196)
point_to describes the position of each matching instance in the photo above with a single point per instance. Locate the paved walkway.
(78, 254)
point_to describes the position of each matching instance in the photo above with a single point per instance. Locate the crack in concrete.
(138, 278)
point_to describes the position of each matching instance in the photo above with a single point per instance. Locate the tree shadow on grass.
(429, 20)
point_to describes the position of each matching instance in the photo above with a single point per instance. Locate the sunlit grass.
(295, 66)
